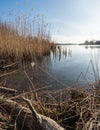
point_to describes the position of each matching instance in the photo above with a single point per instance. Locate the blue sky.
(69, 20)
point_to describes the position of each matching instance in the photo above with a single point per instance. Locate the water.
(69, 66)
(74, 66)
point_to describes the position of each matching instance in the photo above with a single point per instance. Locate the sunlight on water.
(74, 60)
(68, 66)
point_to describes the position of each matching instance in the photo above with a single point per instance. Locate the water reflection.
(92, 46)
(61, 52)
(59, 69)
(67, 52)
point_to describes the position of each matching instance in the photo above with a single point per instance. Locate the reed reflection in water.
(60, 69)
(61, 52)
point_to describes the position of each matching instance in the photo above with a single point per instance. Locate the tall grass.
(22, 40)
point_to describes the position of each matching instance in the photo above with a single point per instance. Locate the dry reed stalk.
(22, 45)
(80, 113)
(28, 120)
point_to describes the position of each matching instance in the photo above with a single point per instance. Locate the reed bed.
(16, 43)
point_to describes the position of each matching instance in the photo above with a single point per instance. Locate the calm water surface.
(75, 64)
(69, 66)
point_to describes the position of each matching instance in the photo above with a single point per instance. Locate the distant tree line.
(92, 42)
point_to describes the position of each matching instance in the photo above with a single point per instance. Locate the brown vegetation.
(79, 113)
(15, 43)
(71, 108)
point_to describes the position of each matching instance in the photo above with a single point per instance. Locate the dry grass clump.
(73, 109)
(15, 45)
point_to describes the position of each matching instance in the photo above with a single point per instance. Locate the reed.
(17, 40)
(70, 108)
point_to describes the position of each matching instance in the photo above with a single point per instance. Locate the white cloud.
(78, 32)
(80, 25)
(70, 39)
(75, 39)
(66, 23)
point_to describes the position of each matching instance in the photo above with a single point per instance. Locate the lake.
(68, 66)
(77, 65)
